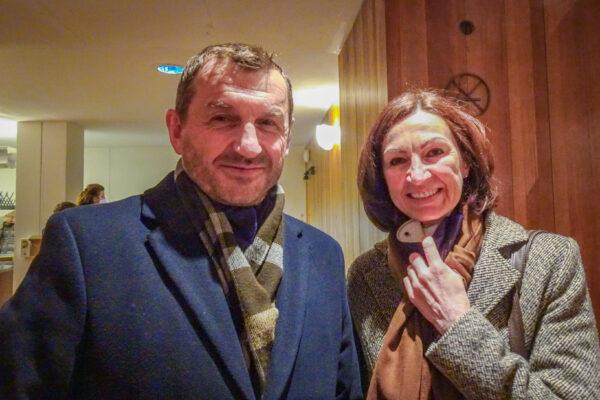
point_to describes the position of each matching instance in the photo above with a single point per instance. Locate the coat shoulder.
(363, 263)
(102, 220)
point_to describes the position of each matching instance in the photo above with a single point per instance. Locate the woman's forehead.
(420, 126)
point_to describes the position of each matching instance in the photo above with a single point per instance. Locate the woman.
(431, 303)
(92, 194)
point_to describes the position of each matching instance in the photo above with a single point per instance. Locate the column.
(49, 171)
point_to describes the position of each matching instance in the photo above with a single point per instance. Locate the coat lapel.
(494, 276)
(188, 273)
(291, 303)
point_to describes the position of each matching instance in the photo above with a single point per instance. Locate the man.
(200, 288)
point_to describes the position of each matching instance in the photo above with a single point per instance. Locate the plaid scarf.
(254, 273)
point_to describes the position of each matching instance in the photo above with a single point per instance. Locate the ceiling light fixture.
(170, 69)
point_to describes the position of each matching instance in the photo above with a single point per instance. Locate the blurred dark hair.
(63, 206)
(479, 191)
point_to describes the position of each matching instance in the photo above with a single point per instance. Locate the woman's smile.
(424, 195)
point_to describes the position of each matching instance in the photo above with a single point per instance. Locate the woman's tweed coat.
(560, 331)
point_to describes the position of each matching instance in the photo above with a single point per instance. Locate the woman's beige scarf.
(402, 372)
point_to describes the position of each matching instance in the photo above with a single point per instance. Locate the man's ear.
(174, 126)
(288, 140)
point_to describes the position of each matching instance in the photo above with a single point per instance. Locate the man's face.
(235, 136)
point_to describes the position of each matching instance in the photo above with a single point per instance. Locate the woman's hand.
(437, 291)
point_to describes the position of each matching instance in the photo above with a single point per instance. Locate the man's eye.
(267, 122)
(221, 118)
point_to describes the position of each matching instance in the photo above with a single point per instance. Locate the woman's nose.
(418, 171)
(249, 146)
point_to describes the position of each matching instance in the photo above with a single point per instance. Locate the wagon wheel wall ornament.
(472, 90)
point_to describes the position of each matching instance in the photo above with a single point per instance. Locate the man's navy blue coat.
(123, 303)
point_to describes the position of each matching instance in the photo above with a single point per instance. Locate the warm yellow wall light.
(328, 136)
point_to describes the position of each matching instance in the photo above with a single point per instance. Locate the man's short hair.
(480, 192)
(247, 57)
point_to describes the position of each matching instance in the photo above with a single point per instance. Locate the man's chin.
(235, 198)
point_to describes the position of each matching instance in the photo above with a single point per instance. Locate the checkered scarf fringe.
(254, 274)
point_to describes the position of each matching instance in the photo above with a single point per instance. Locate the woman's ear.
(464, 170)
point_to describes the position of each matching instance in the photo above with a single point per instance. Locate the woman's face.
(423, 167)
(100, 198)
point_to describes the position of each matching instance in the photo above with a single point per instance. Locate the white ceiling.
(94, 62)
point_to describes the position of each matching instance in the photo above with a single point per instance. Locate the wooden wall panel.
(426, 49)
(573, 56)
(333, 202)
(324, 194)
(486, 57)
(406, 35)
(539, 58)
(533, 204)
(363, 93)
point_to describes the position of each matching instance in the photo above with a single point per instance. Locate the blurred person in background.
(92, 194)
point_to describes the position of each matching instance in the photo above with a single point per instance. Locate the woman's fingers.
(418, 263)
(408, 287)
(419, 286)
(431, 252)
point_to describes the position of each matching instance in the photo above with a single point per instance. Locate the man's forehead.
(224, 72)
(218, 80)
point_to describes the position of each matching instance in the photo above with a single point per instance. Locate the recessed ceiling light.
(171, 69)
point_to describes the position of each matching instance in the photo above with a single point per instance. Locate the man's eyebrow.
(219, 104)
(275, 112)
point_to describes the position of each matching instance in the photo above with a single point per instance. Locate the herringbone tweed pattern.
(560, 330)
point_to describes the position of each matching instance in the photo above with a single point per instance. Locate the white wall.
(293, 184)
(127, 171)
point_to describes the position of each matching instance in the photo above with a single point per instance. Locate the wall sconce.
(309, 172)
(328, 136)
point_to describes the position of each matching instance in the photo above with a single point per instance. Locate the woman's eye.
(397, 161)
(435, 152)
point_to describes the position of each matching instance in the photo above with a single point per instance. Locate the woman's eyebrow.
(440, 139)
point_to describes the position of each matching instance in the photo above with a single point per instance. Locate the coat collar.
(188, 272)
(493, 276)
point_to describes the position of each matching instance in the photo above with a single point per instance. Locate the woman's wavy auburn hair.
(479, 190)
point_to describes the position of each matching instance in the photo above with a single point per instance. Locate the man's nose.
(249, 146)
(418, 172)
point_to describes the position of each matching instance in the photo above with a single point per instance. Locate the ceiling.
(94, 62)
